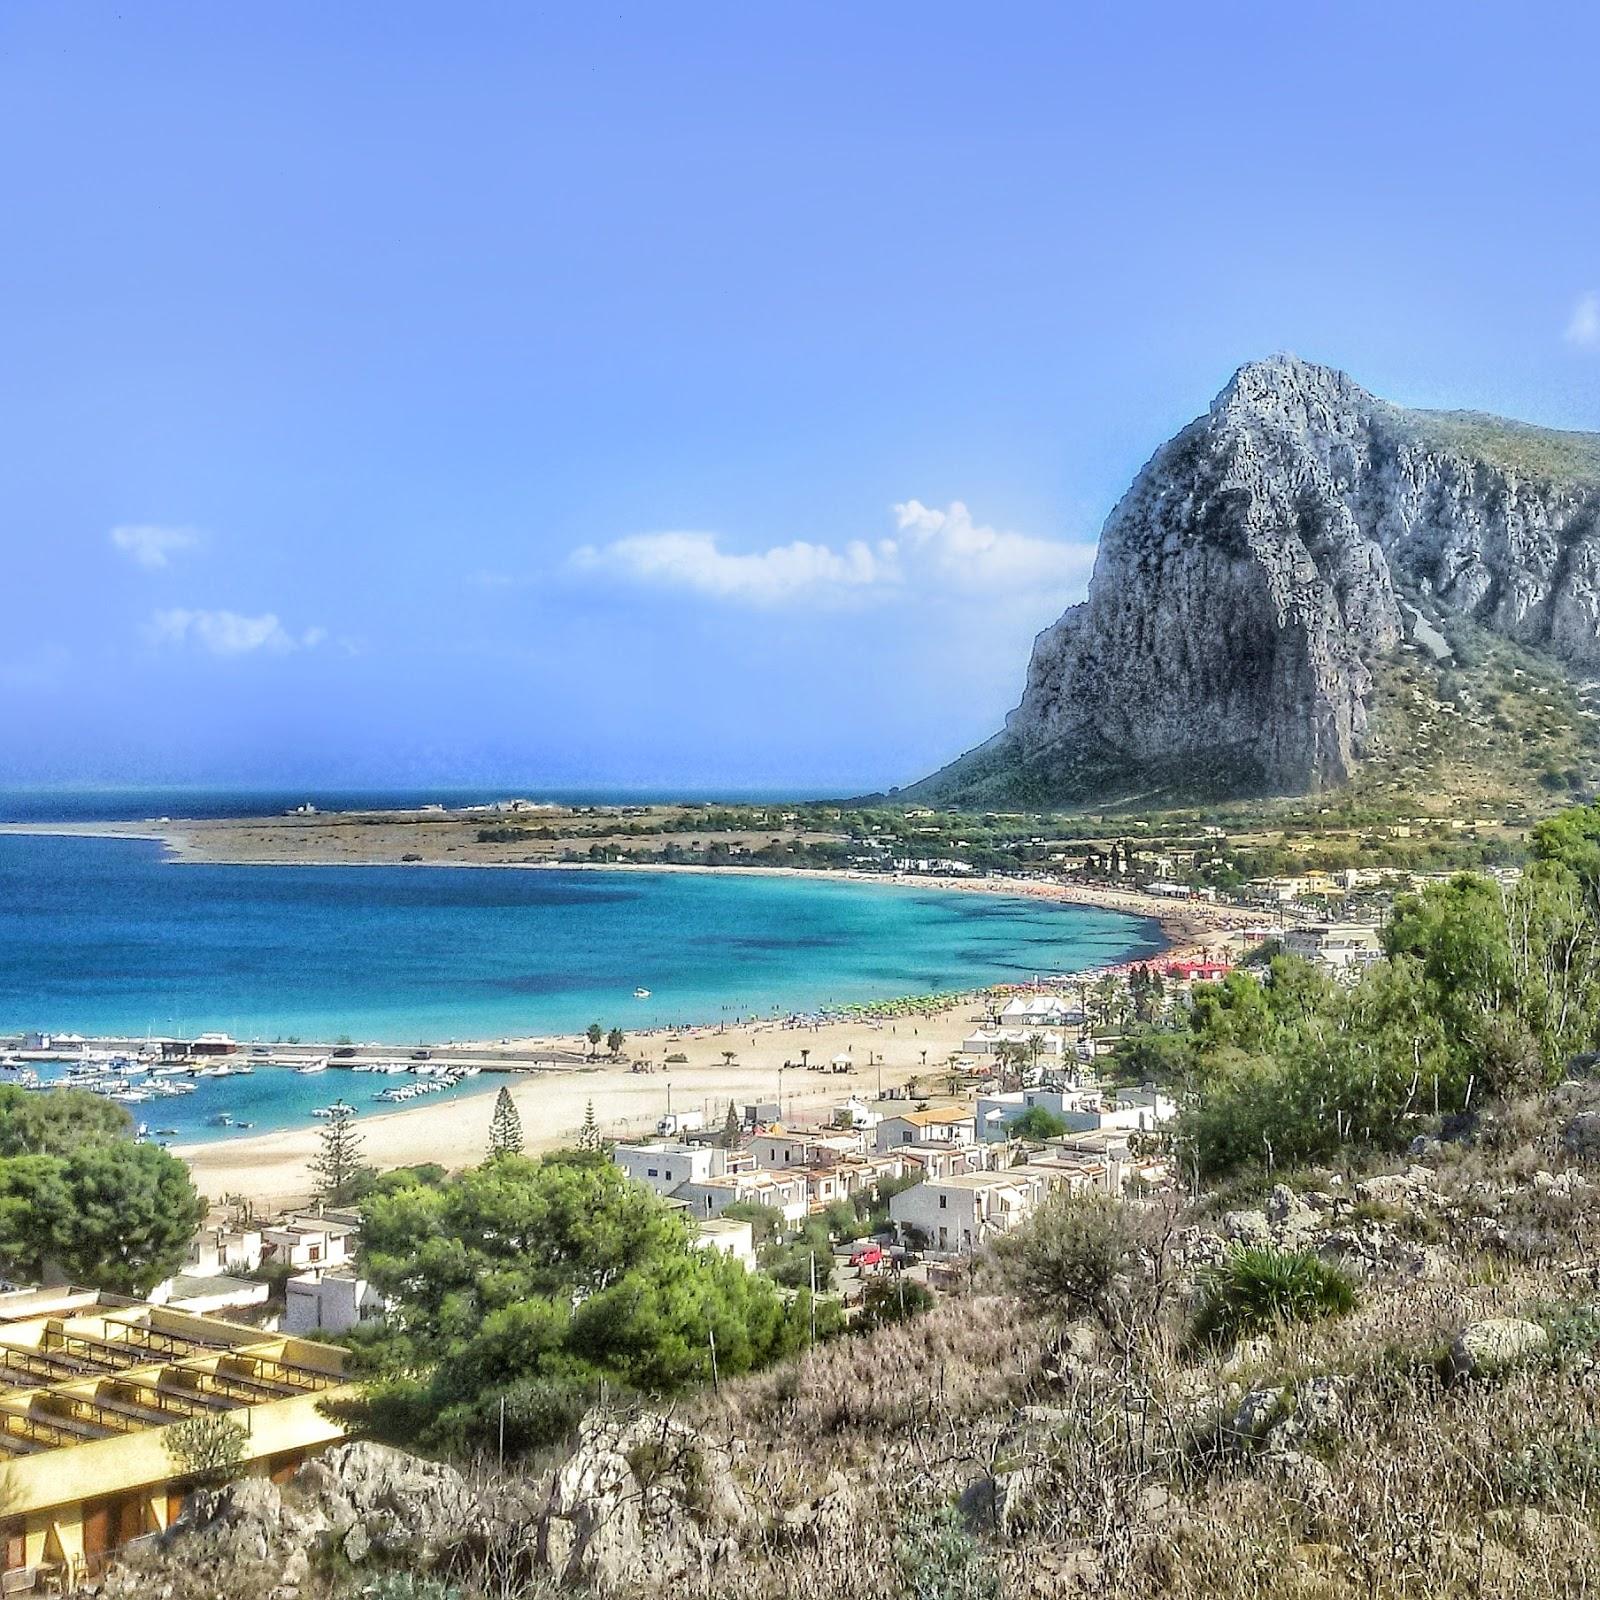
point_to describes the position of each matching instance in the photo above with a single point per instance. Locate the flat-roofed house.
(954, 1216)
(1339, 944)
(937, 1125)
(91, 1387)
(780, 1191)
(664, 1164)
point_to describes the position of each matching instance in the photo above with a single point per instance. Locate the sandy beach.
(271, 1169)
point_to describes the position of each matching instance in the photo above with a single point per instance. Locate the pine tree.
(730, 1129)
(505, 1126)
(339, 1158)
(589, 1133)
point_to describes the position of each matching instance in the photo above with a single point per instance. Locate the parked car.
(868, 1253)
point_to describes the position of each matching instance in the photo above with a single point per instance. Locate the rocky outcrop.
(641, 1497)
(645, 1498)
(1260, 564)
(364, 1503)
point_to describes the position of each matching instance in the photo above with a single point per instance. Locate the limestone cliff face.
(1255, 570)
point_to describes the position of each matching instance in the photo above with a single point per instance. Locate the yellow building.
(90, 1387)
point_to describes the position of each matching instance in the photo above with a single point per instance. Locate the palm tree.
(1035, 1045)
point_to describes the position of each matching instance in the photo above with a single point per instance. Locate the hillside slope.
(1263, 564)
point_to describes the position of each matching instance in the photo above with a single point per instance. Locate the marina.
(182, 1097)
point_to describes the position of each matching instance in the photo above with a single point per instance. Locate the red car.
(866, 1255)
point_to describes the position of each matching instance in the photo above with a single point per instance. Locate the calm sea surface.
(102, 936)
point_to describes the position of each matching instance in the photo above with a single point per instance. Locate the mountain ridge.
(1263, 562)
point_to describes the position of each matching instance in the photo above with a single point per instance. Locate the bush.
(1089, 1256)
(1258, 1287)
(940, 1560)
(895, 1299)
(1036, 1123)
(207, 1450)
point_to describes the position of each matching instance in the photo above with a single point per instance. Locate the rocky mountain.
(1263, 563)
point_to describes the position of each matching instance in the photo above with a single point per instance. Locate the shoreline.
(905, 1041)
(1180, 922)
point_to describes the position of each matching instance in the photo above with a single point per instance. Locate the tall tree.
(505, 1126)
(338, 1158)
(589, 1139)
(614, 1041)
(594, 1034)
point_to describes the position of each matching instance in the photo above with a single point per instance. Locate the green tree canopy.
(532, 1281)
(101, 1209)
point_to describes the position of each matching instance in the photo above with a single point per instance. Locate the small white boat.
(310, 1067)
(641, 994)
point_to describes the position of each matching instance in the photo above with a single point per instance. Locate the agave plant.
(1257, 1287)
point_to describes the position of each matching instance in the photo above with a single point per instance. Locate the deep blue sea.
(107, 936)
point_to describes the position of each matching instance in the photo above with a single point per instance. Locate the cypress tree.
(505, 1127)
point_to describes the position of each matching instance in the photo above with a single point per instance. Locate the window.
(668, 1174)
(651, 1172)
(944, 1202)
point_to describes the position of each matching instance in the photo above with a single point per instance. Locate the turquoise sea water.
(101, 936)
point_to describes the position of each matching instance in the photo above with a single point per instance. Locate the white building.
(224, 1249)
(938, 1125)
(728, 1237)
(664, 1164)
(856, 1113)
(1338, 944)
(996, 1112)
(784, 1192)
(953, 1216)
(987, 1041)
(309, 1241)
(777, 1149)
(333, 1301)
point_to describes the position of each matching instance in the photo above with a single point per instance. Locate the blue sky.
(694, 394)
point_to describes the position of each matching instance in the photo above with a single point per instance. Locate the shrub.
(1562, 1469)
(410, 1586)
(1258, 1287)
(207, 1450)
(940, 1560)
(1092, 1256)
(1036, 1123)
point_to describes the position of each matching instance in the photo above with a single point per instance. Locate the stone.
(1581, 1136)
(640, 1498)
(1288, 1213)
(1396, 1189)
(1257, 1413)
(1253, 574)
(1246, 1227)
(1482, 1349)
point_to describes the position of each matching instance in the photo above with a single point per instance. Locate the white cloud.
(1584, 328)
(153, 546)
(767, 577)
(229, 633)
(936, 552)
(965, 554)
